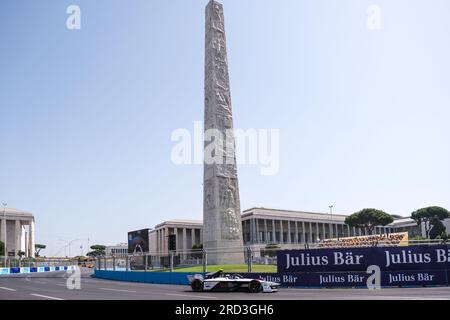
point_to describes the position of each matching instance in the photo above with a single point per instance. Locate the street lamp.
(4, 231)
(69, 243)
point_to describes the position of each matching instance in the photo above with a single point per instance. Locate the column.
(32, 238)
(26, 243)
(331, 231)
(266, 232)
(274, 235)
(185, 243)
(281, 232)
(310, 232)
(17, 237)
(324, 231)
(304, 232)
(257, 231)
(193, 237)
(3, 233)
(317, 231)
(296, 232)
(165, 233)
(289, 240)
(157, 241)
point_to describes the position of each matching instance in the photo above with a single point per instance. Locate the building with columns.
(19, 227)
(188, 233)
(262, 226)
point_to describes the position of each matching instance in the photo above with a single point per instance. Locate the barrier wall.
(146, 277)
(419, 278)
(6, 271)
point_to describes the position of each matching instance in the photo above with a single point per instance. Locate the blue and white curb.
(17, 270)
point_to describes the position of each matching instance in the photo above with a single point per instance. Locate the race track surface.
(52, 286)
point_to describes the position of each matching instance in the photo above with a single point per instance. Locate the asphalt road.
(53, 286)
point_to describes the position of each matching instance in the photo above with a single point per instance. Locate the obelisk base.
(220, 253)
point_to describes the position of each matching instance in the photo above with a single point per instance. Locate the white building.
(19, 227)
(120, 249)
(188, 233)
(262, 226)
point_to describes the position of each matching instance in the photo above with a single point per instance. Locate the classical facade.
(262, 226)
(120, 249)
(19, 228)
(188, 233)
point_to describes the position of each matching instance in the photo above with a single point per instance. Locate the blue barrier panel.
(147, 277)
(46, 268)
(33, 269)
(15, 270)
(414, 278)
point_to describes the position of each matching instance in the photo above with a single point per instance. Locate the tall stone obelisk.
(222, 235)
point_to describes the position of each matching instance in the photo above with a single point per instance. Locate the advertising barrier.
(356, 279)
(359, 259)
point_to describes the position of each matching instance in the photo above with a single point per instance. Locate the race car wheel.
(197, 285)
(254, 286)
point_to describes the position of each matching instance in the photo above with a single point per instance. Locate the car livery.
(220, 282)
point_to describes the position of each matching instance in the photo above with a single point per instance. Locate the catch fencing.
(255, 258)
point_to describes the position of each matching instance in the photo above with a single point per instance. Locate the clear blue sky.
(86, 116)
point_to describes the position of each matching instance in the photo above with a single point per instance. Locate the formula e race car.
(220, 282)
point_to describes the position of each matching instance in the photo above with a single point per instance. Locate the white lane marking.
(41, 282)
(46, 297)
(190, 296)
(118, 290)
(9, 289)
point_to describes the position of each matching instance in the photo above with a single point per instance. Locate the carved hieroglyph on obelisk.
(222, 236)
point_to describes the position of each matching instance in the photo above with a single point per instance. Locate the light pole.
(4, 231)
(69, 243)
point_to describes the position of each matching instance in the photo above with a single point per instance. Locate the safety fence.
(12, 262)
(255, 258)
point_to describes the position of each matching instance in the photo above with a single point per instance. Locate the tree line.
(431, 217)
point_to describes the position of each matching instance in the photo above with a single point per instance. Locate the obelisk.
(222, 232)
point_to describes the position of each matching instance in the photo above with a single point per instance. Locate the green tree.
(429, 215)
(438, 228)
(2, 248)
(97, 250)
(368, 219)
(197, 251)
(38, 248)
